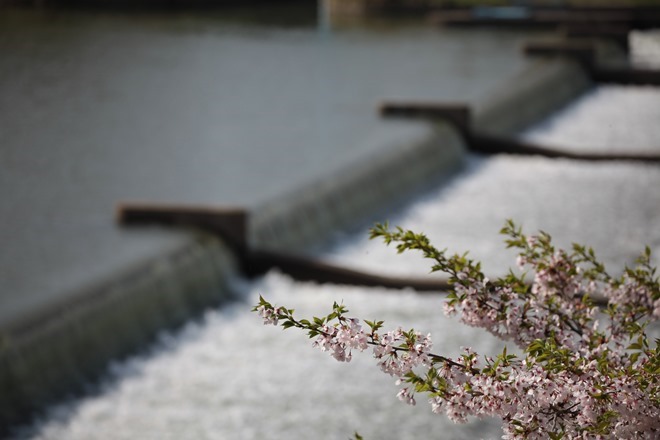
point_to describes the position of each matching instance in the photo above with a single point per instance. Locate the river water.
(226, 376)
(196, 108)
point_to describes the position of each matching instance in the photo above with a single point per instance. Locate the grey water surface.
(217, 108)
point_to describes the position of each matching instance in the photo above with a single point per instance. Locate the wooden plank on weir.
(458, 114)
(229, 223)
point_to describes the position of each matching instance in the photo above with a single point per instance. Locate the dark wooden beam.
(626, 75)
(458, 114)
(489, 144)
(228, 223)
(308, 269)
(257, 262)
(483, 143)
(585, 52)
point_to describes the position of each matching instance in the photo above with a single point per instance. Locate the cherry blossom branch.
(575, 380)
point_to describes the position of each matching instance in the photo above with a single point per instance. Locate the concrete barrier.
(538, 91)
(57, 352)
(339, 199)
(304, 216)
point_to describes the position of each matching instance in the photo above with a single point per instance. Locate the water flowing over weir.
(225, 376)
(100, 108)
(610, 206)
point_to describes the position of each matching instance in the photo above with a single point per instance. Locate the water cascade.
(225, 376)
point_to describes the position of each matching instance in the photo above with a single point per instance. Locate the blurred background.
(234, 103)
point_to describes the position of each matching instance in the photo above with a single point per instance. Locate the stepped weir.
(56, 350)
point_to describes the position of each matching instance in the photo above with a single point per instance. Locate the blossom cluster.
(270, 315)
(588, 370)
(340, 340)
(400, 352)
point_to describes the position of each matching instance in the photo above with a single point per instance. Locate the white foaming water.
(645, 48)
(613, 207)
(228, 377)
(612, 118)
(608, 119)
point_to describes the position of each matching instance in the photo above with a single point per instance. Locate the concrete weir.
(55, 352)
(301, 217)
